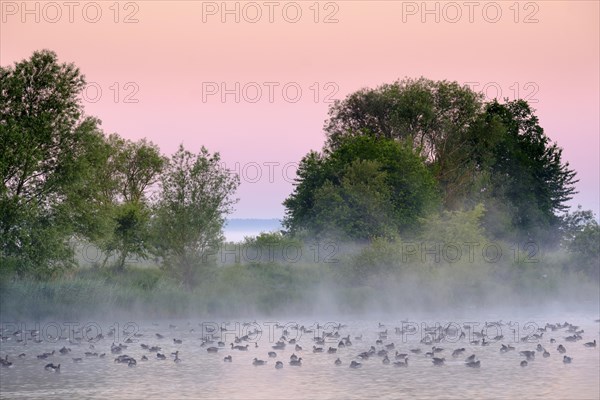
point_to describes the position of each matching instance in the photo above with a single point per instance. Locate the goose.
(386, 360)
(401, 363)
(355, 364)
(177, 341)
(561, 349)
(415, 351)
(278, 365)
(256, 361)
(539, 348)
(317, 349)
(567, 359)
(458, 352)
(590, 344)
(144, 358)
(161, 356)
(159, 336)
(131, 362)
(436, 349)
(298, 348)
(272, 354)
(390, 346)
(296, 363)
(530, 355)
(293, 357)
(4, 362)
(331, 350)
(52, 368)
(473, 364)
(22, 355)
(338, 362)
(523, 363)
(438, 361)
(546, 354)
(471, 358)
(227, 359)
(401, 356)
(64, 350)
(212, 349)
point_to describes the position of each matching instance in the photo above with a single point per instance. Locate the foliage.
(195, 195)
(48, 151)
(528, 182)
(365, 188)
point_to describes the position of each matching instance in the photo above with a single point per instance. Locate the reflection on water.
(201, 374)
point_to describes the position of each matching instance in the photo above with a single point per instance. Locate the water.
(205, 375)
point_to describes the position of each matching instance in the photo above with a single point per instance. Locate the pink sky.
(170, 54)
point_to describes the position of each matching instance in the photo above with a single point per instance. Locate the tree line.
(397, 159)
(65, 180)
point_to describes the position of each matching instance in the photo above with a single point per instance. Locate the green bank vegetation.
(415, 179)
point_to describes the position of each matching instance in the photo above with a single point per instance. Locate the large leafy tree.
(48, 151)
(528, 184)
(366, 187)
(196, 194)
(130, 170)
(436, 117)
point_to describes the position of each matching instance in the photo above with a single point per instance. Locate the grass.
(372, 279)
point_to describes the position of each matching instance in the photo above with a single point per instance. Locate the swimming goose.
(470, 358)
(523, 363)
(177, 341)
(386, 360)
(590, 344)
(331, 350)
(258, 362)
(296, 363)
(52, 368)
(212, 349)
(298, 348)
(338, 362)
(438, 361)
(401, 356)
(355, 364)
(317, 349)
(473, 364)
(561, 349)
(530, 355)
(278, 365)
(227, 359)
(401, 363)
(161, 356)
(458, 352)
(567, 359)
(546, 354)
(293, 357)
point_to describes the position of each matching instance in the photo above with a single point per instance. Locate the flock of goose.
(383, 348)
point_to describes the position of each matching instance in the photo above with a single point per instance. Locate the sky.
(254, 80)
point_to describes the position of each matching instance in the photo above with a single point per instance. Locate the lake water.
(201, 374)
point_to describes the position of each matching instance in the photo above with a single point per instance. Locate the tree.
(436, 117)
(48, 151)
(581, 238)
(131, 168)
(528, 182)
(195, 196)
(366, 187)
